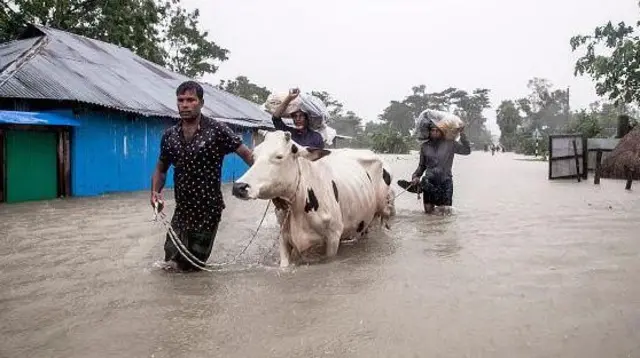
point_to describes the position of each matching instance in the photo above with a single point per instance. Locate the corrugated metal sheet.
(111, 153)
(10, 51)
(72, 67)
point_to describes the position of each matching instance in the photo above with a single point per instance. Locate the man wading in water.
(436, 160)
(195, 147)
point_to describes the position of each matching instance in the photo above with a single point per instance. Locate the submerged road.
(525, 268)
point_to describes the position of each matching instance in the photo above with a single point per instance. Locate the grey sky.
(368, 52)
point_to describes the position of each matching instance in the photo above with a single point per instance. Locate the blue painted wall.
(112, 153)
(233, 167)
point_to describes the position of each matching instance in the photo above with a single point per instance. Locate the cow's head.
(274, 172)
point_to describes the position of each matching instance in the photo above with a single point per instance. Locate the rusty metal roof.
(58, 65)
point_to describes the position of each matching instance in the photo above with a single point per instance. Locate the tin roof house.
(81, 117)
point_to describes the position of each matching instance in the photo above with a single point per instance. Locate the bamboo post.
(596, 179)
(629, 174)
(575, 150)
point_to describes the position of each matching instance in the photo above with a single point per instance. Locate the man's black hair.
(190, 86)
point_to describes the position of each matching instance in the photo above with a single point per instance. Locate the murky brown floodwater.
(527, 268)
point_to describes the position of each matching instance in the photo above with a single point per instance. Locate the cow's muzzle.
(240, 190)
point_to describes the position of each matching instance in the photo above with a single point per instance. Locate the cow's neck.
(292, 195)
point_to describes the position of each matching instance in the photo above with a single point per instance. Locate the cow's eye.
(279, 157)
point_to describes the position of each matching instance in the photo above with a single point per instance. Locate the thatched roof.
(625, 155)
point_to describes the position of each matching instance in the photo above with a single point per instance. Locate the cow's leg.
(333, 242)
(285, 252)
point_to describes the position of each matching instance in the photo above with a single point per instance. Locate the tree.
(508, 119)
(386, 139)
(161, 32)
(333, 105)
(244, 88)
(348, 124)
(470, 109)
(399, 116)
(586, 124)
(617, 75)
(545, 106)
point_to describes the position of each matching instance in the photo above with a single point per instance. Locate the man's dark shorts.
(199, 244)
(437, 190)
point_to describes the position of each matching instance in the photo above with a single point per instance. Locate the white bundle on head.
(448, 123)
(311, 105)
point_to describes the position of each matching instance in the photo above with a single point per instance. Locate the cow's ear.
(314, 154)
(287, 136)
(262, 133)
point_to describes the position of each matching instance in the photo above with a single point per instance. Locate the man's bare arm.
(158, 179)
(246, 154)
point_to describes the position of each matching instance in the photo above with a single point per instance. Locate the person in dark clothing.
(436, 161)
(195, 146)
(301, 133)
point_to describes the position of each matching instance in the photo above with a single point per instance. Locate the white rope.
(184, 251)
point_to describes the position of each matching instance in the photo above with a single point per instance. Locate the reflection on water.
(524, 268)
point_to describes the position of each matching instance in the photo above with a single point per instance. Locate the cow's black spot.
(312, 201)
(369, 176)
(386, 176)
(294, 149)
(361, 226)
(335, 190)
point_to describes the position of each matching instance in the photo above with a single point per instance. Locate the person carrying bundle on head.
(436, 161)
(301, 133)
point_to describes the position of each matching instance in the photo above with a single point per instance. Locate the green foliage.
(526, 144)
(401, 114)
(585, 124)
(246, 89)
(333, 105)
(161, 32)
(348, 124)
(545, 109)
(617, 75)
(386, 139)
(508, 118)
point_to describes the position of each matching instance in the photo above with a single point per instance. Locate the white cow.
(330, 197)
(380, 175)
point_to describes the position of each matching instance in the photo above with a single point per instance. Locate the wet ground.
(525, 268)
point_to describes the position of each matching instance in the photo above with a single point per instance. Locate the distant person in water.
(436, 161)
(300, 133)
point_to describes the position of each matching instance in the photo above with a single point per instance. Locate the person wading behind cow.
(436, 160)
(301, 133)
(195, 146)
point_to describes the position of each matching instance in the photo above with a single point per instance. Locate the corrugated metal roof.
(70, 67)
(10, 51)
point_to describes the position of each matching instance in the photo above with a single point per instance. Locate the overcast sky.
(368, 52)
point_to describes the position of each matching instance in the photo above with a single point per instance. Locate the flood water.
(525, 268)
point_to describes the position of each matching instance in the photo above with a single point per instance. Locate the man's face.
(435, 133)
(189, 105)
(298, 119)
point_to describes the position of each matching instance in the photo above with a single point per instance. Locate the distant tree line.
(165, 33)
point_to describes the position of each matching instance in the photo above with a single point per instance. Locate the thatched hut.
(624, 157)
